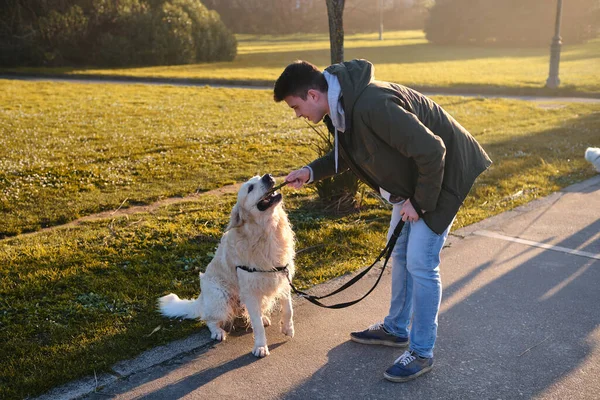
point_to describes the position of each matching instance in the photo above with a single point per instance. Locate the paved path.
(184, 82)
(519, 319)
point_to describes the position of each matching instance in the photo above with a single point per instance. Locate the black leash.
(387, 252)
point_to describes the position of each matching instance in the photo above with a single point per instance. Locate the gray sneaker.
(376, 334)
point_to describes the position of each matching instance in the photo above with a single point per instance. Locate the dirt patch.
(154, 206)
(121, 211)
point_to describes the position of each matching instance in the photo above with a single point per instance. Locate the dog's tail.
(174, 307)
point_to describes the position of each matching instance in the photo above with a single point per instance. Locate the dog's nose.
(268, 179)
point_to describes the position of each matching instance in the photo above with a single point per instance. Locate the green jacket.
(399, 140)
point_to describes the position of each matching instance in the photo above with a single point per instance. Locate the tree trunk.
(335, 14)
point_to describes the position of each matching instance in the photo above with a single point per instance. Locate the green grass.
(74, 300)
(404, 56)
(71, 150)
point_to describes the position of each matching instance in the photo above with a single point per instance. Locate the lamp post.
(553, 81)
(380, 19)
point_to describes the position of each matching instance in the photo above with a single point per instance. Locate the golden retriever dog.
(259, 238)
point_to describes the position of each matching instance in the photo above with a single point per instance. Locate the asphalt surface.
(519, 319)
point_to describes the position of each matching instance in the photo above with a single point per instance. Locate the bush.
(213, 40)
(174, 43)
(510, 22)
(113, 33)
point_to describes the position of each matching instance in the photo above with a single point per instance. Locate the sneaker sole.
(392, 378)
(378, 341)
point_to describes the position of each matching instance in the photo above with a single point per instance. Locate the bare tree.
(335, 14)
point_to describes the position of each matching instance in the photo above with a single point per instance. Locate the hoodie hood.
(354, 76)
(334, 98)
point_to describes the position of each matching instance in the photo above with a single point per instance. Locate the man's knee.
(422, 267)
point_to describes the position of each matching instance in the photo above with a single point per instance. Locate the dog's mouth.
(269, 200)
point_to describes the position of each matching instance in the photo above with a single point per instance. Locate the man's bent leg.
(423, 261)
(423, 265)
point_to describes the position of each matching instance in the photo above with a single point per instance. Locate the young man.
(419, 158)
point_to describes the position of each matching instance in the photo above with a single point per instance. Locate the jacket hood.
(354, 77)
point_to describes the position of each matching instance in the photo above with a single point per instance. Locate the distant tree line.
(160, 32)
(477, 22)
(111, 33)
(310, 16)
(511, 22)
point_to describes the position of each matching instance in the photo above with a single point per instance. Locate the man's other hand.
(408, 212)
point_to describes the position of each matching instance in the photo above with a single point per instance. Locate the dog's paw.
(287, 329)
(217, 334)
(266, 321)
(260, 351)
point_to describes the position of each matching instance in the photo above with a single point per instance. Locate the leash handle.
(387, 251)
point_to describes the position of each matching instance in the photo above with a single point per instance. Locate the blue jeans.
(416, 284)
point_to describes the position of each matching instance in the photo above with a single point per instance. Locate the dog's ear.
(236, 219)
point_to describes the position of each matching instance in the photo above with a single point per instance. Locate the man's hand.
(298, 178)
(408, 212)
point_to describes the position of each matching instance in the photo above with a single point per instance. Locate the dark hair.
(296, 79)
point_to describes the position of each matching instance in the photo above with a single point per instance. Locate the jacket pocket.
(452, 192)
(446, 208)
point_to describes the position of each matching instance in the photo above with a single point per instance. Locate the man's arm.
(324, 167)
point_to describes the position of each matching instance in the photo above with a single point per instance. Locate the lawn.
(68, 150)
(403, 56)
(74, 300)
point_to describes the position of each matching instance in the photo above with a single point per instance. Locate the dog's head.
(255, 201)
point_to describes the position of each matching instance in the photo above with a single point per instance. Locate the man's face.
(312, 108)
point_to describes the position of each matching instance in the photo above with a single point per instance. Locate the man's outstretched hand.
(298, 178)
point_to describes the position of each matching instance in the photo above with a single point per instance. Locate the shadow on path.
(524, 325)
(190, 383)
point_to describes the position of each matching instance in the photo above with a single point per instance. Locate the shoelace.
(405, 359)
(376, 326)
